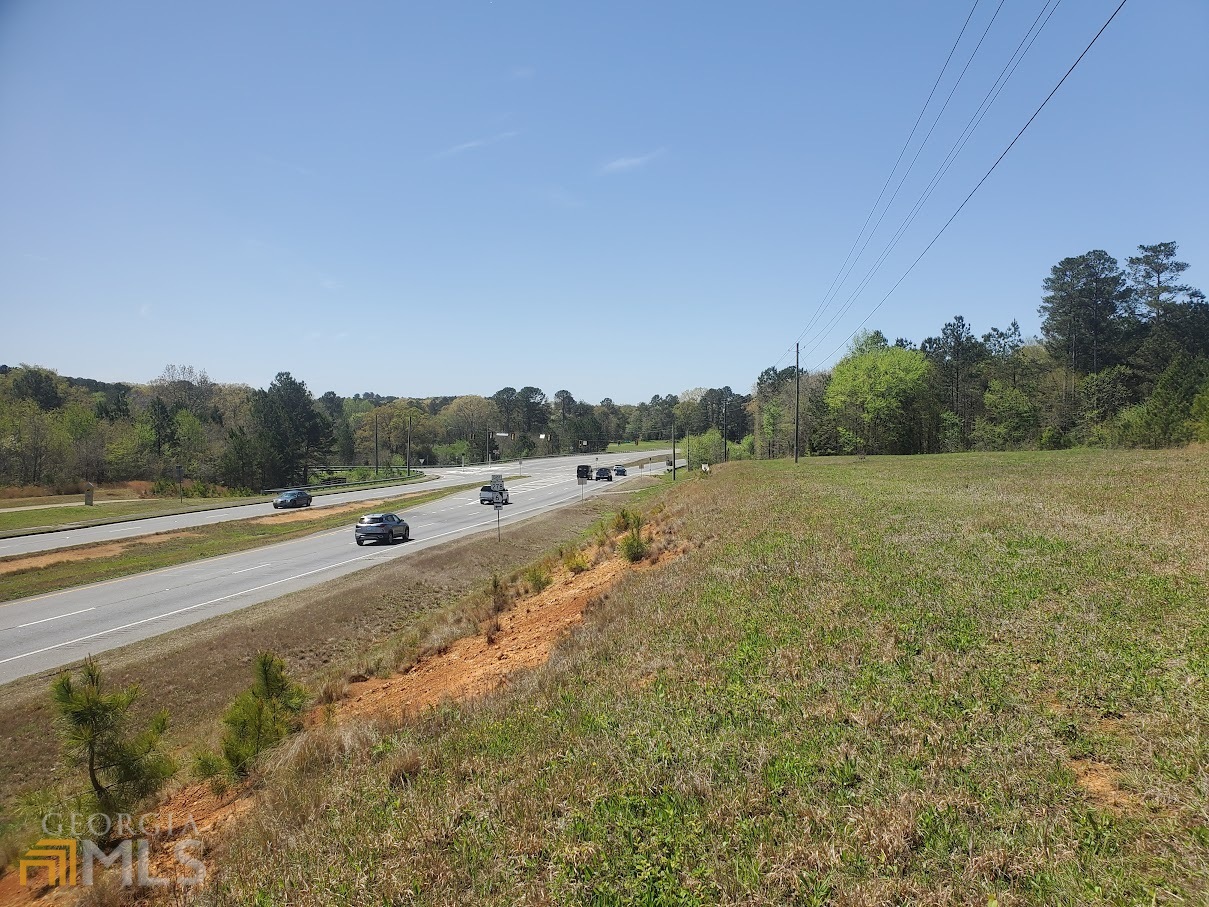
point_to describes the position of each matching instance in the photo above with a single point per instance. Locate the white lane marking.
(56, 617)
(246, 569)
(147, 620)
(122, 529)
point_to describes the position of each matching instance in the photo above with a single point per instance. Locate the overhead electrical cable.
(918, 152)
(890, 176)
(1022, 48)
(978, 185)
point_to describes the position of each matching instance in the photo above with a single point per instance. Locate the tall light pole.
(409, 446)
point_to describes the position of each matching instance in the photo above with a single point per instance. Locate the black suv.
(583, 472)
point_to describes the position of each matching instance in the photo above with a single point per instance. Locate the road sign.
(497, 481)
(497, 498)
(582, 481)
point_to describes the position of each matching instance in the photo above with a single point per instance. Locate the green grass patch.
(630, 446)
(195, 543)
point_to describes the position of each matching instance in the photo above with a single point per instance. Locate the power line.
(890, 176)
(985, 176)
(919, 150)
(1005, 74)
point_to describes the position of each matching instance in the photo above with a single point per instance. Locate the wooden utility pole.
(673, 451)
(797, 397)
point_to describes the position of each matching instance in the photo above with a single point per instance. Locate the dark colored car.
(381, 527)
(583, 471)
(619, 470)
(604, 473)
(292, 499)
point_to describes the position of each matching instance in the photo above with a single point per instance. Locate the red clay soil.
(472, 666)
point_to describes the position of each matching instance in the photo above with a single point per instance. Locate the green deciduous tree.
(879, 391)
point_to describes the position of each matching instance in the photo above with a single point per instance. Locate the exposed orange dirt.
(1099, 782)
(107, 549)
(472, 666)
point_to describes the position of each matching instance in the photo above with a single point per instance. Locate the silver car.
(381, 527)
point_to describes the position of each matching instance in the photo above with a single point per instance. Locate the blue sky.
(618, 198)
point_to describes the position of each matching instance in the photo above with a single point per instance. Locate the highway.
(445, 477)
(42, 633)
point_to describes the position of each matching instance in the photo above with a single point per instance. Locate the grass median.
(25, 575)
(49, 519)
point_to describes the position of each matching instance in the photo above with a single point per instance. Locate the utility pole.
(673, 451)
(797, 397)
(375, 442)
(724, 452)
(409, 446)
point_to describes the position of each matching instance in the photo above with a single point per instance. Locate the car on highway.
(381, 527)
(619, 470)
(583, 471)
(292, 499)
(604, 473)
(487, 495)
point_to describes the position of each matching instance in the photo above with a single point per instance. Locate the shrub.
(574, 562)
(633, 546)
(626, 520)
(537, 578)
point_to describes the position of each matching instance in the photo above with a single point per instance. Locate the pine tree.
(123, 766)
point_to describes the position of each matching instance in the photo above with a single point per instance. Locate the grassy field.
(152, 552)
(965, 679)
(18, 522)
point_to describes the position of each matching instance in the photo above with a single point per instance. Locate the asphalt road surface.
(445, 477)
(42, 633)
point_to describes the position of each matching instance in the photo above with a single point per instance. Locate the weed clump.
(574, 562)
(537, 578)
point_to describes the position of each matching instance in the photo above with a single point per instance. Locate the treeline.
(58, 431)
(1122, 360)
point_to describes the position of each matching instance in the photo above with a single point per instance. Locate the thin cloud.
(625, 164)
(478, 143)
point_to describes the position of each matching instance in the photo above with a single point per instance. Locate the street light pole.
(409, 446)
